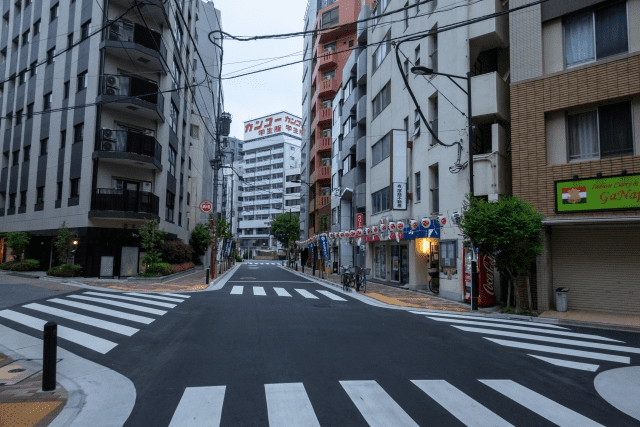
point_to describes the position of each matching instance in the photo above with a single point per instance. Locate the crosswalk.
(82, 317)
(262, 263)
(548, 339)
(282, 292)
(288, 404)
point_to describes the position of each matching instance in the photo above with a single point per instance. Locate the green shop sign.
(598, 194)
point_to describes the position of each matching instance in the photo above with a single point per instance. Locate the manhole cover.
(247, 278)
(13, 374)
(15, 371)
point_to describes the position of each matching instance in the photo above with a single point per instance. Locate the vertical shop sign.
(359, 221)
(324, 245)
(311, 250)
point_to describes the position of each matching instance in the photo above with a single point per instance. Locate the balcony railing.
(327, 61)
(328, 88)
(119, 200)
(124, 31)
(124, 141)
(134, 90)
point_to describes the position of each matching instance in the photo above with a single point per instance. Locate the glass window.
(53, 12)
(172, 161)
(418, 187)
(26, 156)
(382, 99)
(33, 68)
(330, 18)
(19, 116)
(75, 187)
(40, 195)
(36, 28)
(78, 133)
(85, 30)
(171, 201)
(23, 199)
(51, 56)
(381, 150)
(329, 47)
(416, 59)
(59, 191)
(82, 81)
(381, 200)
(381, 51)
(416, 123)
(30, 111)
(44, 146)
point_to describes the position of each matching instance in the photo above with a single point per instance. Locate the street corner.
(620, 387)
(415, 302)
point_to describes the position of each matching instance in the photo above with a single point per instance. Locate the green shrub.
(508, 310)
(26, 265)
(176, 252)
(161, 269)
(147, 274)
(65, 270)
(238, 259)
(246, 255)
(6, 266)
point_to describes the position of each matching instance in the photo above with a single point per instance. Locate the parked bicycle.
(434, 282)
(348, 277)
(356, 277)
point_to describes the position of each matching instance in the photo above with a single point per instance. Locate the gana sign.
(273, 125)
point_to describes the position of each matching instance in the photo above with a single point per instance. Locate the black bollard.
(207, 277)
(49, 356)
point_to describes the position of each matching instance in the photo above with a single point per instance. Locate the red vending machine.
(486, 274)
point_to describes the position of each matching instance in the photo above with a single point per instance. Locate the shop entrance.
(400, 264)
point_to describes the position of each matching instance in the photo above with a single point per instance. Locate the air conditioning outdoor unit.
(108, 134)
(115, 31)
(108, 145)
(113, 82)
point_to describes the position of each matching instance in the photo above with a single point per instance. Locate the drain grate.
(13, 374)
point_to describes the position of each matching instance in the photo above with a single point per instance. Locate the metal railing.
(120, 200)
(134, 87)
(127, 31)
(129, 142)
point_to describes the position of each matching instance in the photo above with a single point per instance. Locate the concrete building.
(409, 176)
(97, 125)
(575, 102)
(270, 163)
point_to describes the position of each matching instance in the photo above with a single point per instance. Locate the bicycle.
(361, 279)
(347, 277)
(434, 282)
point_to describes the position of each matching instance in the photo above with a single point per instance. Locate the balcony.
(360, 196)
(153, 10)
(321, 173)
(361, 71)
(361, 150)
(323, 144)
(327, 61)
(325, 116)
(363, 26)
(322, 201)
(130, 94)
(361, 110)
(129, 148)
(489, 97)
(131, 41)
(113, 203)
(491, 32)
(328, 88)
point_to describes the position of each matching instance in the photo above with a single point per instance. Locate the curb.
(220, 281)
(96, 396)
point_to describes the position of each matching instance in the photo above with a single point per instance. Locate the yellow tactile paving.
(25, 414)
(411, 302)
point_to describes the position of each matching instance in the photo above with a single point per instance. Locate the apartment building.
(271, 162)
(410, 178)
(575, 102)
(97, 124)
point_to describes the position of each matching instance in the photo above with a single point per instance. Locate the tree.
(223, 230)
(510, 230)
(18, 242)
(151, 237)
(64, 243)
(286, 229)
(200, 239)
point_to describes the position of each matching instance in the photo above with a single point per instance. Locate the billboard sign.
(598, 194)
(272, 125)
(399, 196)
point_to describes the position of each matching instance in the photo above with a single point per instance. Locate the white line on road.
(289, 405)
(306, 294)
(554, 340)
(330, 295)
(144, 301)
(121, 304)
(106, 311)
(94, 343)
(266, 281)
(376, 406)
(467, 410)
(155, 296)
(568, 363)
(489, 319)
(237, 290)
(259, 290)
(547, 408)
(282, 292)
(526, 329)
(560, 350)
(173, 295)
(199, 407)
(81, 318)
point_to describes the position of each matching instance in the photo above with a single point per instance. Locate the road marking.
(568, 364)
(282, 292)
(332, 296)
(547, 408)
(121, 304)
(237, 290)
(467, 410)
(526, 329)
(81, 318)
(144, 301)
(489, 319)
(199, 407)
(306, 294)
(259, 290)
(289, 405)
(269, 281)
(106, 311)
(156, 297)
(375, 405)
(576, 343)
(92, 342)
(174, 295)
(560, 350)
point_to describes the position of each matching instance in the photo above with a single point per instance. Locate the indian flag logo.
(574, 195)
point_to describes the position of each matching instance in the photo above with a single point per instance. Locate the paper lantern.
(359, 232)
(375, 229)
(414, 224)
(400, 225)
(426, 222)
(367, 231)
(392, 226)
(341, 234)
(383, 227)
(442, 220)
(352, 233)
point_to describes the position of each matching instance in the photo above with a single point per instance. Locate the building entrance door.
(129, 261)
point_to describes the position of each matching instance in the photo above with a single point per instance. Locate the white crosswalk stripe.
(120, 304)
(306, 294)
(163, 298)
(547, 408)
(175, 295)
(289, 405)
(375, 405)
(568, 363)
(199, 407)
(237, 290)
(488, 319)
(560, 350)
(331, 295)
(282, 292)
(122, 297)
(259, 290)
(102, 310)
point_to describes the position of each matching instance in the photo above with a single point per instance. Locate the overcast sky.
(271, 91)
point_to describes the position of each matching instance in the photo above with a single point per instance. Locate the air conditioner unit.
(115, 31)
(113, 82)
(108, 146)
(108, 134)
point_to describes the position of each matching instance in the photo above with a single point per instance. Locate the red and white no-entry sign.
(206, 206)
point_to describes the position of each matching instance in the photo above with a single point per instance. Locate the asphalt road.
(16, 290)
(272, 348)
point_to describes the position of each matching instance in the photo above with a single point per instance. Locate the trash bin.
(561, 299)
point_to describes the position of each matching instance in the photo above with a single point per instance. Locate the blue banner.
(433, 231)
(311, 250)
(325, 246)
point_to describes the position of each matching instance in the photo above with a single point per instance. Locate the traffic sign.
(206, 206)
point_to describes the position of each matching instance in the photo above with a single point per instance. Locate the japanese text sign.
(273, 124)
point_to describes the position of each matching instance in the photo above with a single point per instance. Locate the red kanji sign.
(206, 206)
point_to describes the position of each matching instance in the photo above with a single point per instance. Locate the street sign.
(206, 206)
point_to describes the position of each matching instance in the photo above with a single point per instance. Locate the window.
(85, 30)
(602, 133)
(350, 124)
(53, 13)
(330, 18)
(25, 37)
(448, 253)
(173, 117)
(172, 161)
(15, 44)
(44, 143)
(26, 154)
(329, 75)
(23, 199)
(33, 68)
(36, 28)
(82, 81)
(78, 133)
(418, 6)
(406, 15)
(189, 163)
(65, 91)
(381, 51)
(75, 187)
(433, 55)
(418, 185)
(416, 123)
(434, 181)
(40, 195)
(433, 106)
(416, 56)
(381, 200)
(188, 198)
(195, 131)
(30, 111)
(63, 139)
(177, 33)
(329, 47)
(327, 103)
(171, 201)
(326, 132)
(12, 200)
(176, 75)
(51, 56)
(596, 35)
(381, 150)
(19, 117)
(382, 99)
(16, 158)
(349, 86)
(69, 40)
(59, 191)
(3, 55)
(23, 77)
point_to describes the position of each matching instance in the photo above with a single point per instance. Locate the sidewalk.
(627, 322)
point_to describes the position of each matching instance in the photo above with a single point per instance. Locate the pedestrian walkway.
(282, 292)
(594, 317)
(289, 404)
(89, 319)
(193, 282)
(541, 340)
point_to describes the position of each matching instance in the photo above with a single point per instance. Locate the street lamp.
(424, 71)
(315, 213)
